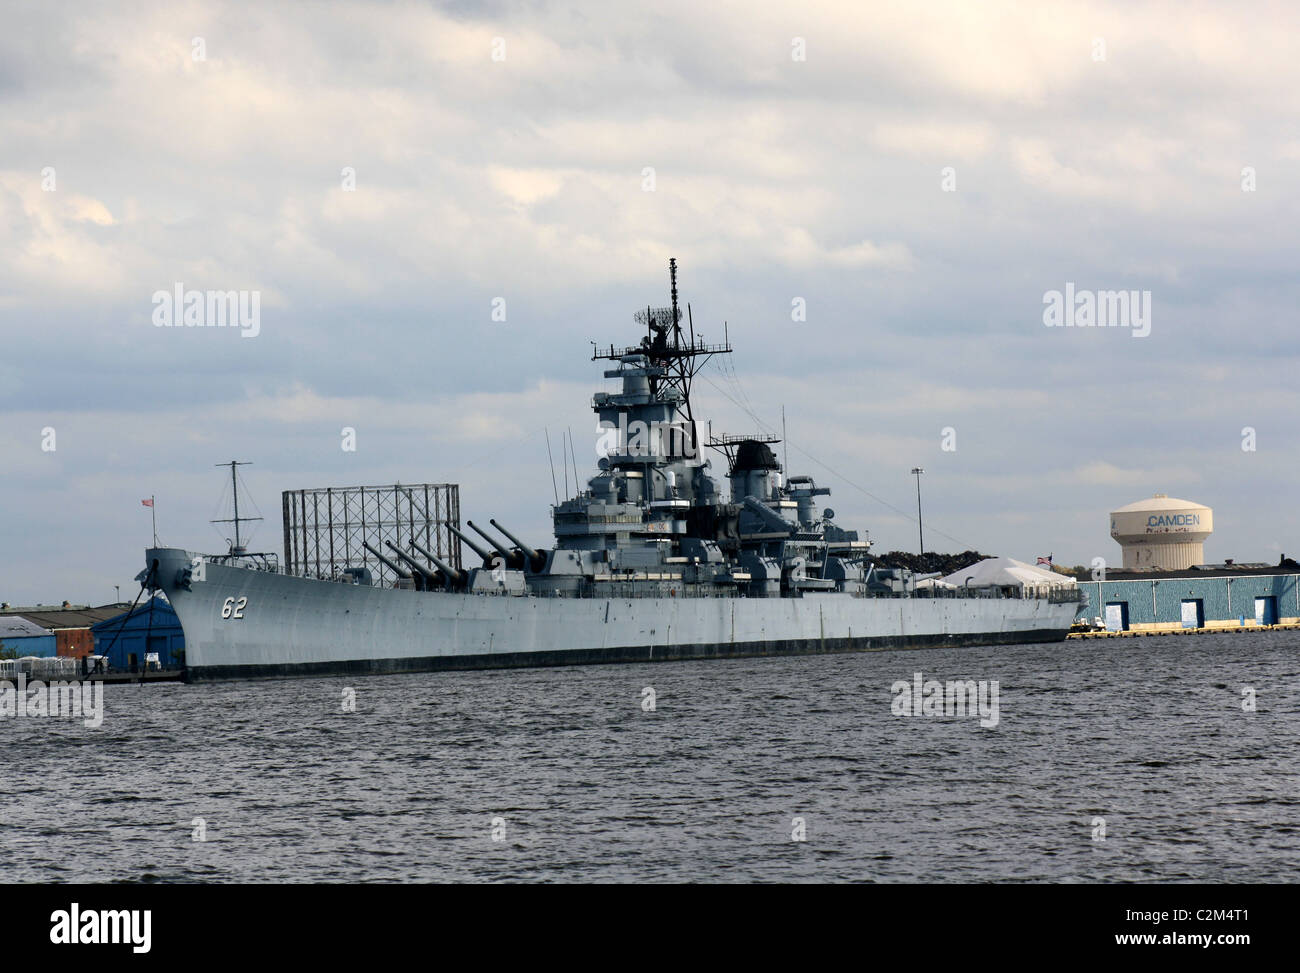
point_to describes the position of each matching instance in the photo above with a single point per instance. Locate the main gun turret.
(536, 558)
(485, 555)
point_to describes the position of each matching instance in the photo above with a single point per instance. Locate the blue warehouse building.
(21, 637)
(1211, 597)
(152, 627)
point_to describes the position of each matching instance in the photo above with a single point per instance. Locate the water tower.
(1162, 532)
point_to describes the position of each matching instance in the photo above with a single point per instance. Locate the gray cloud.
(522, 179)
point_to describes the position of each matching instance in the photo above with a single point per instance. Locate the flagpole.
(153, 512)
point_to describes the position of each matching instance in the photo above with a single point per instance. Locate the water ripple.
(561, 775)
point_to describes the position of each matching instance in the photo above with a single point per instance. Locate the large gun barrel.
(452, 575)
(471, 544)
(531, 554)
(424, 572)
(497, 546)
(393, 567)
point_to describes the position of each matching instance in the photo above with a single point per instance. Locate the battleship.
(652, 561)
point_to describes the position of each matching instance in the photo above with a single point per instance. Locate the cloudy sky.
(918, 177)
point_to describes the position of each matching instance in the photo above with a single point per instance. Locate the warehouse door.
(1117, 616)
(1266, 610)
(1193, 613)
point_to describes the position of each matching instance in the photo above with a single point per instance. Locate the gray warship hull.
(652, 561)
(242, 623)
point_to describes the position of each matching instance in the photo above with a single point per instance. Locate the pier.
(1138, 632)
(126, 676)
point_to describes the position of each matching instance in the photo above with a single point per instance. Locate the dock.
(1139, 633)
(151, 676)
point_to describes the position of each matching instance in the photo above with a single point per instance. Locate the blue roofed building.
(152, 627)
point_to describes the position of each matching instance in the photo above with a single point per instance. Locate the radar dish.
(829, 514)
(657, 317)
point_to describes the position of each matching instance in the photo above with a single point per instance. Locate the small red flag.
(147, 503)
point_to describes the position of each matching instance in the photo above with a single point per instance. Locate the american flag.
(1046, 560)
(149, 503)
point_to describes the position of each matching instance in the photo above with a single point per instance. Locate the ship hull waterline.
(241, 623)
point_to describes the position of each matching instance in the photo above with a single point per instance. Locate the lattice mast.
(681, 354)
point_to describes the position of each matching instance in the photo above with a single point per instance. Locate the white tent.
(1007, 572)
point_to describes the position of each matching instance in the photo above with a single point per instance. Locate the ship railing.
(1054, 594)
(1061, 595)
(922, 593)
(1057, 594)
(646, 589)
(251, 562)
(962, 592)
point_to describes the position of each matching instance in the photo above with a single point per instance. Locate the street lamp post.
(917, 471)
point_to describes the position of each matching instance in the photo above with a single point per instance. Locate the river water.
(1117, 760)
